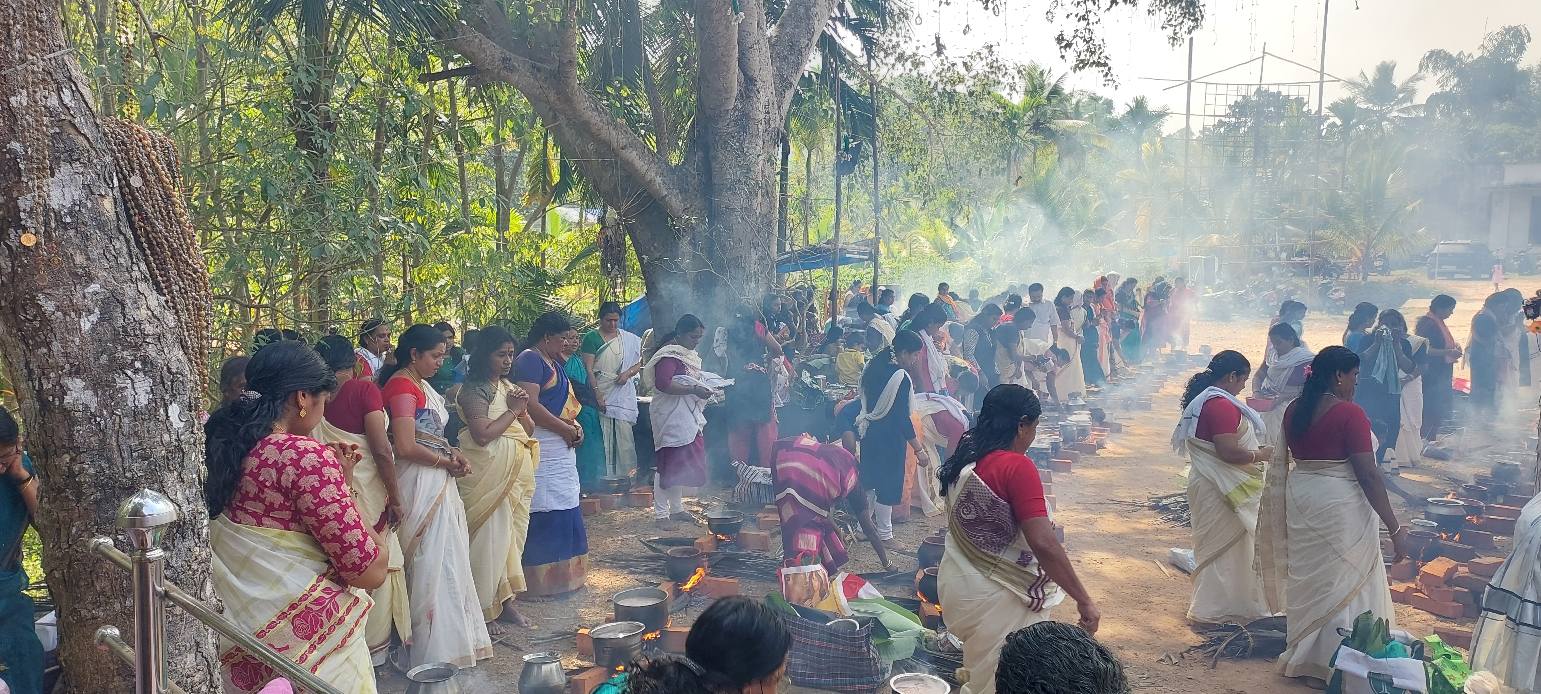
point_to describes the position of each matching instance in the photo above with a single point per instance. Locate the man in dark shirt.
(1438, 369)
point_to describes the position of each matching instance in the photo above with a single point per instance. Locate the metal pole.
(1321, 125)
(877, 210)
(1187, 146)
(1321, 71)
(143, 518)
(834, 279)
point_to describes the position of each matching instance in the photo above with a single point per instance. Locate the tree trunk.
(783, 176)
(106, 390)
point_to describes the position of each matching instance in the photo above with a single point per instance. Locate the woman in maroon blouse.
(1333, 504)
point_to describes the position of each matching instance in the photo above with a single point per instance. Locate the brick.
(1050, 499)
(610, 502)
(1470, 581)
(1069, 453)
(706, 544)
(1115, 427)
(1448, 610)
(767, 519)
(587, 681)
(1459, 637)
(754, 540)
(1046, 477)
(1503, 512)
(1084, 448)
(1499, 526)
(1456, 551)
(590, 506)
(1402, 592)
(640, 498)
(674, 639)
(1405, 570)
(1517, 500)
(1060, 466)
(930, 616)
(1477, 539)
(717, 587)
(1438, 572)
(1484, 566)
(1443, 593)
(585, 644)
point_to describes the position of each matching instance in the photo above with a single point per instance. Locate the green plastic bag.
(1370, 636)
(1448, 670)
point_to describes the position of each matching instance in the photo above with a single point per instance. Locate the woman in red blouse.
(1334, 502)
(292, 554)
(1004, 567)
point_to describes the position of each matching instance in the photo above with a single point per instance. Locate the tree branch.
(791, 42)
(717, 41)
(560, 100)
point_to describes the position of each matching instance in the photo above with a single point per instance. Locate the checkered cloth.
(829, 659)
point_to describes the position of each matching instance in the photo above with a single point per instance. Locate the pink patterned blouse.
(295, 483)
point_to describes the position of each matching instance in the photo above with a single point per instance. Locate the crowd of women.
(1287, 502)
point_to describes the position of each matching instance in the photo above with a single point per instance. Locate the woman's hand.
(458, 466)
(703, 392)
(574, 434)
(347, 454)
(1264, 454)
(1400, 545)
(393, 511)
(517, 400)
(1091, 617)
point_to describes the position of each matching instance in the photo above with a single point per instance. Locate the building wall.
(1509, 226)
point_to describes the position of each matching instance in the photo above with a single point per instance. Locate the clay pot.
(930, 552)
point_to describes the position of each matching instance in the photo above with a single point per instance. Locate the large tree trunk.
(105, 387)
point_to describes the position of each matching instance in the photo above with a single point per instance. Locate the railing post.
(143, 518)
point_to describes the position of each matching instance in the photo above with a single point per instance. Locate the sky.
(1359, 35)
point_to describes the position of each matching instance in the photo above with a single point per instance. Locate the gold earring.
(303, 411)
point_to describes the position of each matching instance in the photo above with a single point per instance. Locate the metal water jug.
(433, 678)
(542, 674)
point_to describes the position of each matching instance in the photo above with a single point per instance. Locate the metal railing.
(144, 518)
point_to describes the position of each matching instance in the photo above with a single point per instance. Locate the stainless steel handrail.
(144, 518)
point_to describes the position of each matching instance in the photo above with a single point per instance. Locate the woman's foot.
(512, 616)
(891, 544)
(496, 628)
(683, 516)
(665, 524)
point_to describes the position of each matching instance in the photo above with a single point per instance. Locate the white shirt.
(375, 361)
(1046, 317)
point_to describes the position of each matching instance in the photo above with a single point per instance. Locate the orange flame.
(695, 578)
(652, 636)
(620, 668)
(722, 538)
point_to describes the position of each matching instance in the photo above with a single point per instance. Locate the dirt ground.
(1118, 550)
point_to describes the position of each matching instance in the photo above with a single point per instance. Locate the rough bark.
(106, 391)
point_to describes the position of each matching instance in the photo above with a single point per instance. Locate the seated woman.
(290, 547)
(810, 478)
(1003, 568)
(1506, 642)
(1221, 436)
(502, 454)
(355, 417)
(1333, 499)
(447, 624)
(20, 650)
(737, 646)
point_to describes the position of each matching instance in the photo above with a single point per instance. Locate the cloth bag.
(830, 657)
(1369, 662)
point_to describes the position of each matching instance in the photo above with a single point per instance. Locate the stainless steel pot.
(650, 606)
(617, 643)
(433, 678)
(542, 674)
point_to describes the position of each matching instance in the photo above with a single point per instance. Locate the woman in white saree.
(292, 554)
(678, 418)
(1280, 379)
(1318, 535)
(355, 417)
(497, 443)
(1507, 641)
(614, 359)
(1220, 436)
(1003, 568)
(447, 624)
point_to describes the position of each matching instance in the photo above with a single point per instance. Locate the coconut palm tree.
(1382, 95)
(1373, 213)
(1036, 119)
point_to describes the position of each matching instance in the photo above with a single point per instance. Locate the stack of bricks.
(1440, 589)
(600, 503)
(1499, 519)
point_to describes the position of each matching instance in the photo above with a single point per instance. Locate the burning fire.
(652, 636)
(722, 538)
(695, 579)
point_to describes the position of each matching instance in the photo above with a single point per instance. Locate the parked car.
(1460, 258)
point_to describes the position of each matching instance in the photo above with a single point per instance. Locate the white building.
(1514, 220)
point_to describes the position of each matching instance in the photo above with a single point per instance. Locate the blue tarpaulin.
(635, 316)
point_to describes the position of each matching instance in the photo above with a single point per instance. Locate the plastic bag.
(805, 582)
(1370, 662)
(1448, 670)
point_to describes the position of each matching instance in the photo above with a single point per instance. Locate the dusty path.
(1116, 549)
